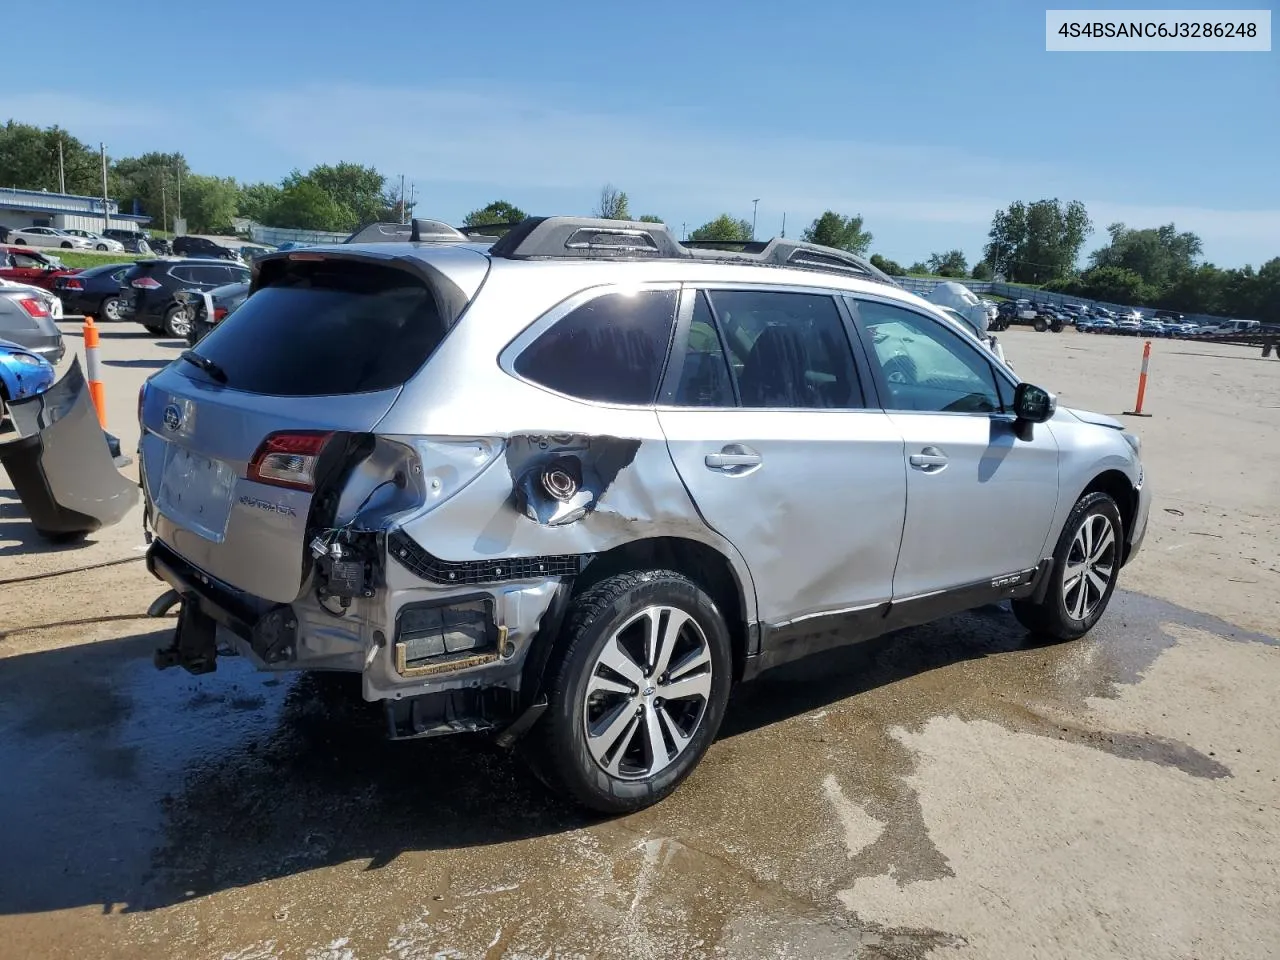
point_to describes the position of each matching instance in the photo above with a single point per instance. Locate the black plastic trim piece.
(418, 561)
(785, 642)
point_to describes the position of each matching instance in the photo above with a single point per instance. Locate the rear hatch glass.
(327, 327)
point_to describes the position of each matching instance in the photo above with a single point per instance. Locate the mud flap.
(61, 463)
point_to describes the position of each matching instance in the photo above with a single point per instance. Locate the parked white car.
(97, 241)
(48, 237)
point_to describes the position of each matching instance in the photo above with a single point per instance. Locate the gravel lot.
(951, 791)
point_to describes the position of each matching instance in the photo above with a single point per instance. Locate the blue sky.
(924, 117)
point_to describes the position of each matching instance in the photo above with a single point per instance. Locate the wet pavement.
(243, 815)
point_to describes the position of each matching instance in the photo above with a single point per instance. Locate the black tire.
(177, 322)
(19, 242)
(557, 747)
(102, 247)
(65, 246)
(1040, 324)
(1051, 618)
(152, 328)
(1056, 326)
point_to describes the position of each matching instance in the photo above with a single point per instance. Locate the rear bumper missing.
(269, 629)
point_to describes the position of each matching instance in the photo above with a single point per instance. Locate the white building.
(39, 208)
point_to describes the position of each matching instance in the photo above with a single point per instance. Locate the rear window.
(329, 327)
(611, 349)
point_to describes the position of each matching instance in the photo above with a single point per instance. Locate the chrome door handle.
(733, 458)
(717, 461)
(928, 459)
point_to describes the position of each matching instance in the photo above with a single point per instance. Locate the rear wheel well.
(704, 565)
(1120, 489)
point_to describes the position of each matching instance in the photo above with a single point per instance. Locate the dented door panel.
(819, 517)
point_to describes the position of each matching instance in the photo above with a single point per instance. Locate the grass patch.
(81, 259)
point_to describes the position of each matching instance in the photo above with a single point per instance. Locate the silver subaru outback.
(570, 487)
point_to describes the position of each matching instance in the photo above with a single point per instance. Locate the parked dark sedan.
(92, 292)
(148, 291)
(226, 300)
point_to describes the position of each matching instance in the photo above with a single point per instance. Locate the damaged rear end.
(268, 487)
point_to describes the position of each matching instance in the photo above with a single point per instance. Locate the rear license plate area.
(196, 492)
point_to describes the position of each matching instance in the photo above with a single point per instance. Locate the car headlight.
(1134, 441)
(28, 359)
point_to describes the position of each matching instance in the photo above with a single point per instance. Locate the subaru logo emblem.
(173, 416)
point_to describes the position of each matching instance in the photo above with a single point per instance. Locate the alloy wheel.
(111, 308)
(1091, 563)
(647, 693)
(179, 323)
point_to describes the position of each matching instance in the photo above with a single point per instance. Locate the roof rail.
(487, 231)
(413, 231)
(587, 238)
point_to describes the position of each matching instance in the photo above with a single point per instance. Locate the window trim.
(881, 385)
(508, 355)
(680, 342)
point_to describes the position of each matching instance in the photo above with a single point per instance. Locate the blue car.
(22, 374)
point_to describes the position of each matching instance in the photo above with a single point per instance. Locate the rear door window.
(787, 350)
(611, 349)
(324, 328)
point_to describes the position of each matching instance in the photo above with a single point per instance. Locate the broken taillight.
(219, 314)
(34, 307)
(289, 459)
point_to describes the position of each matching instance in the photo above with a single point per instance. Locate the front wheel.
(1040, 324)
(637, 693)
(1086, 563)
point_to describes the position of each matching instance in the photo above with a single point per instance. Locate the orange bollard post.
(1142, 384)
(93, 373)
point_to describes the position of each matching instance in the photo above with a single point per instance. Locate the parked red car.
(24, 265)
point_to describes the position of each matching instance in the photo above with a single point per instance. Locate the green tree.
(305, 205)
(843, 233)
(499, 211)
(210, 203)
(725, 228)
(1036, 242)
(151, 183)
(650, 218)
(891, 267)
(1159, 255)
(982, 271)
(1113, 285)
(360, 189)
(29, 160)
(949, 264)
(257, 200)
(613, 204)
(918, 267)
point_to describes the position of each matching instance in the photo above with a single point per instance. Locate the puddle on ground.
(213, 804)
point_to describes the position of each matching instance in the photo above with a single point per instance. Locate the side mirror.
(1032, 404)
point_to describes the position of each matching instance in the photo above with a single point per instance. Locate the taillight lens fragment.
(289, 459)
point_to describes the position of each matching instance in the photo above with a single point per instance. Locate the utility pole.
(684, 231)
(62, 173)
(106, 202)
(164, 204)
(178, 214)
(755, 206)
(413, 191)
(784, 224)
(402, 198)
